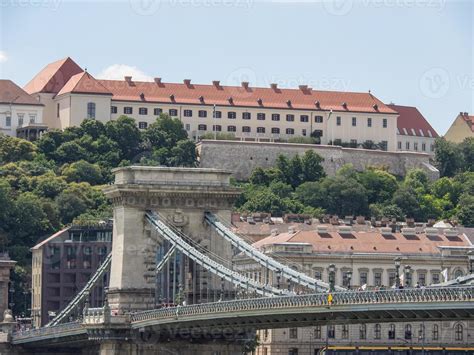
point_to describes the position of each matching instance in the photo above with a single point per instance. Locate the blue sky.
(410, 52)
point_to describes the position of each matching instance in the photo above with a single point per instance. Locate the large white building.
(20, 113)
(355, 119)
(362, 255)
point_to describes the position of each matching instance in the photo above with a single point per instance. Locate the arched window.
(458, 332)
(421, 332)
(391, 332)
(458, 273)
(435, 332)
(377, 331)
(408, 331)
(91, 110)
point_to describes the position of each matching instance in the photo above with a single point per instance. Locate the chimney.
(157, 81)
(274, 86)
(201, 99)
(376, 107)
(216, 83)
(172, 97)
(303, 87)
(288, 103)
(318, 104)
(344, 104)
(466, 114)
(231, 100)
(128, 79)
(260, 102)
(142, 96)
(187, 82)
(245, 84)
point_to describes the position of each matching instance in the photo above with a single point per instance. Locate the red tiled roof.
(240, 96)
(410, 120)
(12, 93)
(469, 120)
(53, 77)
(84, 83)
(364, 242)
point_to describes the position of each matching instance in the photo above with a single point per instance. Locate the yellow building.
(462, 128)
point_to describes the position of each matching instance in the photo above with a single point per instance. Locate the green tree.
(126, 134)
(83, 171)
(183, 154)
(48, 185)
(380, 185)
(467, 149)
(405, 198)
(165, 132)
(69, 152)
(14, 149)
(448, 157)
(465, 212)
(93, 128)
(345, 196)
(311, 194)
(312, 168)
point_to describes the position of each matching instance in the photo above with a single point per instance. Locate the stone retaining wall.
(241, 158)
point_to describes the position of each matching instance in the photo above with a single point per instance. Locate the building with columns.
(20, 114)
(365, 257)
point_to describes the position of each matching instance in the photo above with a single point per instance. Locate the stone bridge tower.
(182, 195)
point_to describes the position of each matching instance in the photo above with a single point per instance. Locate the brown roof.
(366, 242)
(53, 77)
(412, 123)
(84, 83)
(469, 120)
(50, 238)
(240, 96)
(12, 93)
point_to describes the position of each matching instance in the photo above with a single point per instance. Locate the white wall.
(15, 112)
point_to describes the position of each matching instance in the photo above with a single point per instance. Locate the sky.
(409, 52)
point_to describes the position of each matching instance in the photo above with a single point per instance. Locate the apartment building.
(363, 256)
(414, 133)
(461, 128)
(20, 113)
(71, 94)
(63, 263)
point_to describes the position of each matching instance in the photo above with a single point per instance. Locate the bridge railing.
(392, 296)
(50, 331)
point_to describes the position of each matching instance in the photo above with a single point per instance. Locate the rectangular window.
(363, 331)
(435, 332)
(318, 119)
(304, 118)
(202, 113)
(143, 111)
(20, 119)
(345, 331)
(435, 278)
(399, 145)
(415, 146)
(275, 130)
(391, 279)
(338, 120)
(331, 328)
(202, 127)
(317, 332)
(142, 125)
(57, 110)
(275, 117)
(354, 121)
(246, 129)
(290, 118)
(246, 115)
(423, 147)
(290, 131)
(432, 147)
(173, 112)
(260, 116)
(217, 114)
(217, 128)
(384, 123)
(231, 129)
(293, 333)
(377, 279)
(231, 115)
(188, 113)
(128, 110)
(353, 143)
(293, 351)
(157, 111)
(8, 121)
(422, 279)
(363, 278)
(188, 127)
(369, 122)
(303, 132)
(33, 117)
(407, 145)
(260, 129)
(318, 133)
(113, 109)
(384, 145)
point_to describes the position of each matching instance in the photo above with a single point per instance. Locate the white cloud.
(3, 57)
(118, 71)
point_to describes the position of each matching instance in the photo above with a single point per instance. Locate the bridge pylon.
(182, 196)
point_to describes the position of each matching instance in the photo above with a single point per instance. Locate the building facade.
(61, 266)
(70, 95)
(6, 265)
(364, 257)
(461, 128)
(20, 113)
(414, 133)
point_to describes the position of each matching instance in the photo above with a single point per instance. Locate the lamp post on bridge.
(332, 277)
(278, 276)
(470, 256)
(397, 262)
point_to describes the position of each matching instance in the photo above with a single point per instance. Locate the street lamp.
(278, 275)
(407, 271)
(397, 262)
(349, 278)
(332, 277)
(470, 256)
